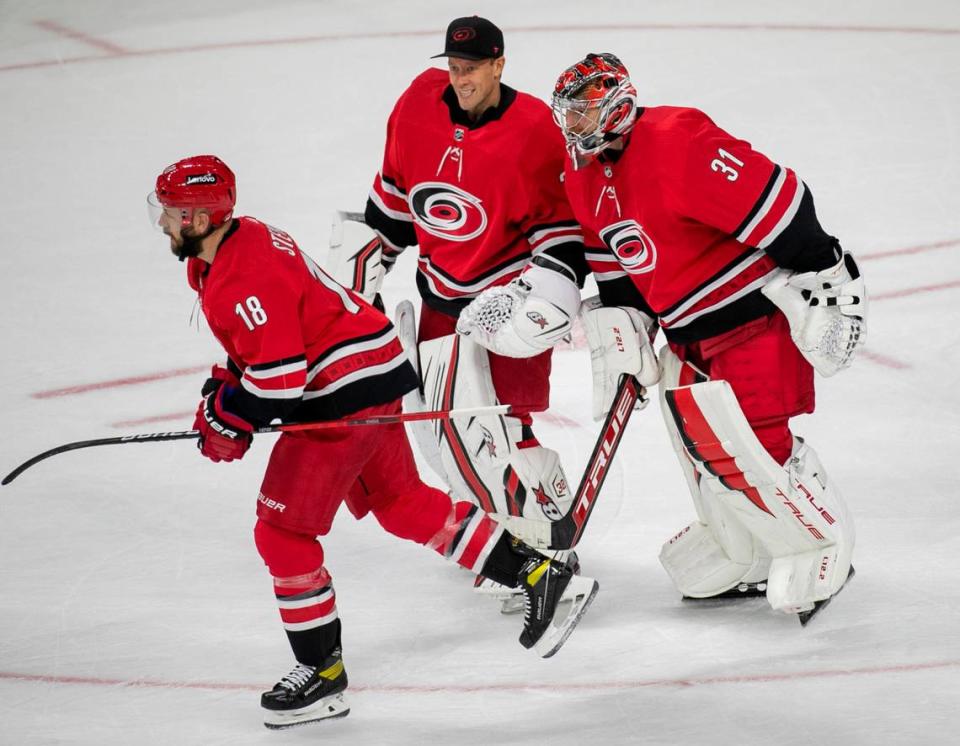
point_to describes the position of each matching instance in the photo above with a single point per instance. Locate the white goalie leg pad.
(413, 401)
(525, 317)
(803, 525)
(796, 581)
(475, 451)
(355, 258)
(716, 552)
(619, 341)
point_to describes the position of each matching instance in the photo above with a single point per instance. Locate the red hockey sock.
(304, 591)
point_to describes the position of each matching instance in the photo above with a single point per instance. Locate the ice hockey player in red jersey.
(300, 348)
(471, 175)
(691, 228)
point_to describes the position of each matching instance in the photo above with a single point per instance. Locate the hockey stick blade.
(384, 419)
(565, 533)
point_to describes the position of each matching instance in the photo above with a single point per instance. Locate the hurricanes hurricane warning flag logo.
(633, 248)
(446, 211)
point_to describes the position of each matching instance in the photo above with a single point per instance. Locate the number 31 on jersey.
(721, 166)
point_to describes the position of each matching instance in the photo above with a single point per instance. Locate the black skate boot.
(306, 694)
(554, 600)
(512, 599)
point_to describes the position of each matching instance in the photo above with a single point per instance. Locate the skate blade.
(328, 708)
(743, 590)
(549, 643)
(486, 587)
(818, 606)
(512, 605)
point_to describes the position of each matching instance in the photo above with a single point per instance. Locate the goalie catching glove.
(223, 435)
(528, 316)
(619, 340)
(826, 310)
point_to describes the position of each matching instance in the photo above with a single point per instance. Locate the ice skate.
(554, 600)
(307, 694)
(512, 600)
(806, 616)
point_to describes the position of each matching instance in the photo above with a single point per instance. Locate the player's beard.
(191, 244)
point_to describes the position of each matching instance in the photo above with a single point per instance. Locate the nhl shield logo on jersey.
(633, 248)
(447, 212)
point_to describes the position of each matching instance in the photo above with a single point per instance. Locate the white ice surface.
(133, 605)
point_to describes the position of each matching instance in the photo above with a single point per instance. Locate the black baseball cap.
(472, 38)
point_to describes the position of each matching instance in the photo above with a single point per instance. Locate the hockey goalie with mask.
(691, 230)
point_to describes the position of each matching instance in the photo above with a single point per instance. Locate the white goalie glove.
(826, 310)
(529, 315)
(619, 339)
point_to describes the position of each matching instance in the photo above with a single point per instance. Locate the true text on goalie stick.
(566, 532)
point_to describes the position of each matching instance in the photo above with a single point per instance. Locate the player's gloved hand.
(223, 436)
(620, 341)
(529, 315)
(826, 310)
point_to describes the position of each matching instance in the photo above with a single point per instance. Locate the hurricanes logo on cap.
(447, 212)
(633, 248)
(464, 33)
(201, 179)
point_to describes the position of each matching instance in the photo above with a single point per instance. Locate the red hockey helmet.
(598, 82)
(199, 182)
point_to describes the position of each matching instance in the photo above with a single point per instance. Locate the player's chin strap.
(826, 310)
(527, 316)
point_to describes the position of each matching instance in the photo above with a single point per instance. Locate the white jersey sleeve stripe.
(765, 207)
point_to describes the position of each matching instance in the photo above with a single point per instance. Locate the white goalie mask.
(594, 103)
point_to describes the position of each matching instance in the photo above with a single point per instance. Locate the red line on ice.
(131, 381)
(83, 388)
(760, 678)
(70, 33)
(577, 343)
(915, 291)
(884, 360)
(119, 53)
(909, 250)
(551, 417)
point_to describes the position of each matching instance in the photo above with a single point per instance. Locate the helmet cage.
(599, 82)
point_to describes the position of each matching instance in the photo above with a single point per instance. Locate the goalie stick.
(566, 532)
(381, 419)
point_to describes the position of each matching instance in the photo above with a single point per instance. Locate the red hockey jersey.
(696, 219)
(480, 198)
(303, 347)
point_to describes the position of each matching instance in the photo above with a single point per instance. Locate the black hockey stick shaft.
(142, 438)
(385, 419)
(565, 533)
